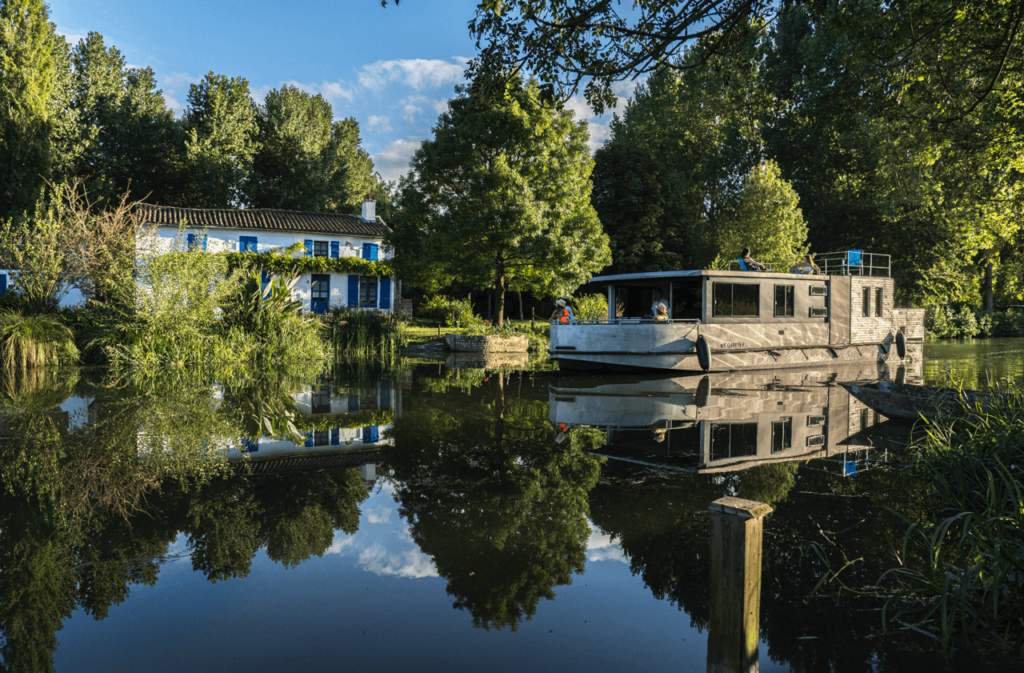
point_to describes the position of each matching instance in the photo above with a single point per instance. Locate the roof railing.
(844, 263)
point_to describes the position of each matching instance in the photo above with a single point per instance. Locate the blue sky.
(393, 68)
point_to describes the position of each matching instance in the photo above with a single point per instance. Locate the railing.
(636, 321)
(845, 263)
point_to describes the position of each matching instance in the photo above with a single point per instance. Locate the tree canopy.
(500, 196)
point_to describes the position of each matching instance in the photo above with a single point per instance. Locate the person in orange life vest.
(562, 314)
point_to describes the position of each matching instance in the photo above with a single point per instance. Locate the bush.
(945, 322)
(1008, 324)
(364, 334)
(591, 307)
(35, 341)
(441, 308)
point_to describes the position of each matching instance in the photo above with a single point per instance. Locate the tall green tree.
(28, 77)
(767, 218)
(501, 195)
(307, 161)
(221, 142)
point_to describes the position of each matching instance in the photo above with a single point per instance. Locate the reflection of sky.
(375, 602)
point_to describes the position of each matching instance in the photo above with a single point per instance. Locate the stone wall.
(475, 343)
(487, 360)
(403, 308)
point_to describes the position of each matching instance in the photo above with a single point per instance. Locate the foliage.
(222, 139)
(35, 341)
(766, 218)
(945, 322)
(356, 419)
(307, 161)
(278, 263)
(500, 197)
(449, 310)
(1008, 324)
(28, 77)
(364, 334)
(590, 307)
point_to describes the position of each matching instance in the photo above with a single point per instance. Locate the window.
(878, 302)
(867, 301)
(367, 291)
(319, 248)
(736, 299)
(733, 440)
(320, 399)
(195, 242)
(784, 301)
(782, 434)
(370, 251)
(247, 244)
(320, 294)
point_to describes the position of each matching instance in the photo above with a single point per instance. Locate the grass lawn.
(421, 334)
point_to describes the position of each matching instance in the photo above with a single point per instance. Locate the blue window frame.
(335, 250)
(368, 291)
(247, 244)
(319, 248)
(320, 293)
(309, 247)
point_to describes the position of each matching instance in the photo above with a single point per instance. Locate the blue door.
(320, 292)
(385, 293)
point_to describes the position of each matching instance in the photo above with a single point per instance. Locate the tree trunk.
(499, 305)
(989, 303)
(521, 318)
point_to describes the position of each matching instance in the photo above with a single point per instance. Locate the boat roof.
(659, 275)
(646, 276)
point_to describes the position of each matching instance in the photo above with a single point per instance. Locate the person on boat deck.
(661, 313)
(568, 307)
(750, 262)
(562, 314)
(806, 265)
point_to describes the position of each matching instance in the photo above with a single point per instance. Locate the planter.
(475, 343)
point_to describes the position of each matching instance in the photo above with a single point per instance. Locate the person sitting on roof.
(808, 266)
(750, 262)
(562, 315)
(661, 312)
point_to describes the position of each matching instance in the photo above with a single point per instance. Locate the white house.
(261, 230)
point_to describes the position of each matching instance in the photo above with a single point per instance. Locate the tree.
(306, 161)
(500, 195)
(221, 140)
(767, 218)
(28, 76)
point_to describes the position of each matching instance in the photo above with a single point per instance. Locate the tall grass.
(35, 341)
(364, 335)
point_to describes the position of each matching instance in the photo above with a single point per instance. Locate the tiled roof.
(264, 219)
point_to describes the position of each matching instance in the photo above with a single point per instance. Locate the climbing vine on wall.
(278, 263)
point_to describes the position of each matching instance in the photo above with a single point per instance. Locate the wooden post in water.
(533, 316)
(736, 527)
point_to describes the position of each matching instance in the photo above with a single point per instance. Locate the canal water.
(444, 516)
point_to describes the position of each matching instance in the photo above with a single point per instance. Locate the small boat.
(736, 320)
(909, 402)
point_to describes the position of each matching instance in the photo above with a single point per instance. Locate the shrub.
(591, 307)
(35, 341)
(945, 322)
(364, 334)
(442, 308)
(1008, 324)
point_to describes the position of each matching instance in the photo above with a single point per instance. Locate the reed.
(364, 335)
(35, 341)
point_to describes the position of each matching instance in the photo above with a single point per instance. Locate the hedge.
(278, 263)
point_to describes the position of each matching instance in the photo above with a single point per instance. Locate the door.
(320, 294)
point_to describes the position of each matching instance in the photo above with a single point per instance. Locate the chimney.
(369, 209)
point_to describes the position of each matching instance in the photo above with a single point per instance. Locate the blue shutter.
(190, 243)
(353, 290)
(371, 434)
(309, 438)
(3, 283)
(385, 293)
(373, 252)
(246, 243)
(309, 248)
(366, 251)
(335, 436)
(205, 239)
(335, 249)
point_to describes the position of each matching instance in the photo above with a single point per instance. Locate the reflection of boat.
(735, 320)
(723, 422)
(910, 402)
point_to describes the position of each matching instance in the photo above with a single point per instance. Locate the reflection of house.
(720, 422)
(328, 235)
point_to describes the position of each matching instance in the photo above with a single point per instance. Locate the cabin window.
(736, 299)
(878, 302)
(782, 435)
(733, 440)
(867, 301)
(687, 299)
(784, 301)
(319, 248)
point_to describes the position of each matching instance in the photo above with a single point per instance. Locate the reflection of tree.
(87, 513)
(493, 499)
(770, 483)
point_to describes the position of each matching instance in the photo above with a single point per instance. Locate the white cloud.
(601, 547)
(411, 563)
(393, 162)
(379, 123)
(379, 515)
(340, 545)
(334, 91)
(419, 73)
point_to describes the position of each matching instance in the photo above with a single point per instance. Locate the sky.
(393, 69)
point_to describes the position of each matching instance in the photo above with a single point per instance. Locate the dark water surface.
(444, 519)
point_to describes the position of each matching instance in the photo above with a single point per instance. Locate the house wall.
(228, 240)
